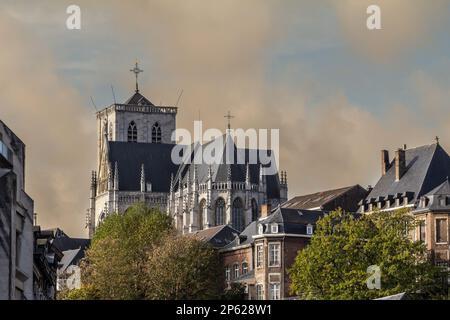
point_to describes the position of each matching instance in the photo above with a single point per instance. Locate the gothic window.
(110, 131)
(156, 133)
(202, 214)
(132, 132)
(237, 217)
(220, 212)
(244, 267)
(255, 213)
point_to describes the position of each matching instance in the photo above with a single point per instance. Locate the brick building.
(417, 179)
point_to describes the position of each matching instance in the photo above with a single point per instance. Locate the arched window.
(237, 217)
(132, 132)
(220, 212)
(156, 133)
(202, 214)
(255, 213)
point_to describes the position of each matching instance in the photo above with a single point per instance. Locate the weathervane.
(136, 70)
(229, 117)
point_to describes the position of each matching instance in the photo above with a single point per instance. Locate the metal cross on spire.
(229, 117)
(136, 70)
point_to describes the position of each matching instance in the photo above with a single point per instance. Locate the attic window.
(274, 228)
(260, 229)
(443, 202)
(309, 229)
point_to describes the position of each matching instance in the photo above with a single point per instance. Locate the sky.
(338, 92)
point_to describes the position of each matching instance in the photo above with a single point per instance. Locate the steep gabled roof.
(218, 236)
(238, 168)
(156, 158)
(316, 200)
(138, 99)
(426, 168)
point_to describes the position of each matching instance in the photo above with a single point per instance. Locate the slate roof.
(238, 170)
(138, 99)
(218, 236)
(292, 221)
(70, 257)
(157, 161)
(437, 199)
(426, 168)
(65, 243)
(316, 200)
(246, 236)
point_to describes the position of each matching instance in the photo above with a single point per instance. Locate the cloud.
(406, 26)
(219, 52)
(48, 116)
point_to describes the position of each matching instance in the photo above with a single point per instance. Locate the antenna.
(114, 96)
(93, 104)
(179, 97)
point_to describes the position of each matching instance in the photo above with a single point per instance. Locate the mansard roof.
(426, 168)
(238, 168)
(323, 198)
(138, 99)
(156, 158)
(293, 221)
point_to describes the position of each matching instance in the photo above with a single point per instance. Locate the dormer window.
(260, 229)
(309, 229)
(274, 228)
(443, 202)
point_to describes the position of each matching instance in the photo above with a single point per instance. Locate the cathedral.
(135, 165)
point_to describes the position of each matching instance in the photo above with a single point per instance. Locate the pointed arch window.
(220, 212)
(132, 132)
(255, 213)
(156, 133)
(237, 217)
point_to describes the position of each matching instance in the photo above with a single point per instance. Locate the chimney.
(265, 210)
(400, 164)
(384, 161)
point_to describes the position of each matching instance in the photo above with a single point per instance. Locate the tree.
(183, 267)
(335, 264)
(115, 262)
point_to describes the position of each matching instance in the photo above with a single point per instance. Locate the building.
(46, 261)
(134, 157)
(346, 198)
(417, 179)
(73, 251)
(227, 192)
(261, 255)
(16, 220)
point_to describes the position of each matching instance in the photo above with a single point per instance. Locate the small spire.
(247, 174)
(229, 172)
(195, 178)
(136, 70)
(110, 177)
(171, 183)
(437, 139)
(142, 178)
(116, 177)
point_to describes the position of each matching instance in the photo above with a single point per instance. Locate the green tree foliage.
(137, 255)
(184, 268)
(115, 262)
(334, 265)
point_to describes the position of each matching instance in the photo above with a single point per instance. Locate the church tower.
(132, 136)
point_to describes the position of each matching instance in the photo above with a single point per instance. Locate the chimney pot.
(384, 161)
(265, 210)
(400, 164)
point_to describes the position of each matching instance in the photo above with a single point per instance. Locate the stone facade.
(136, 122)
(16, 220)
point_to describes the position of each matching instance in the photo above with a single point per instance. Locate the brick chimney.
(265, 210)
(400, 164)
(384, 161)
